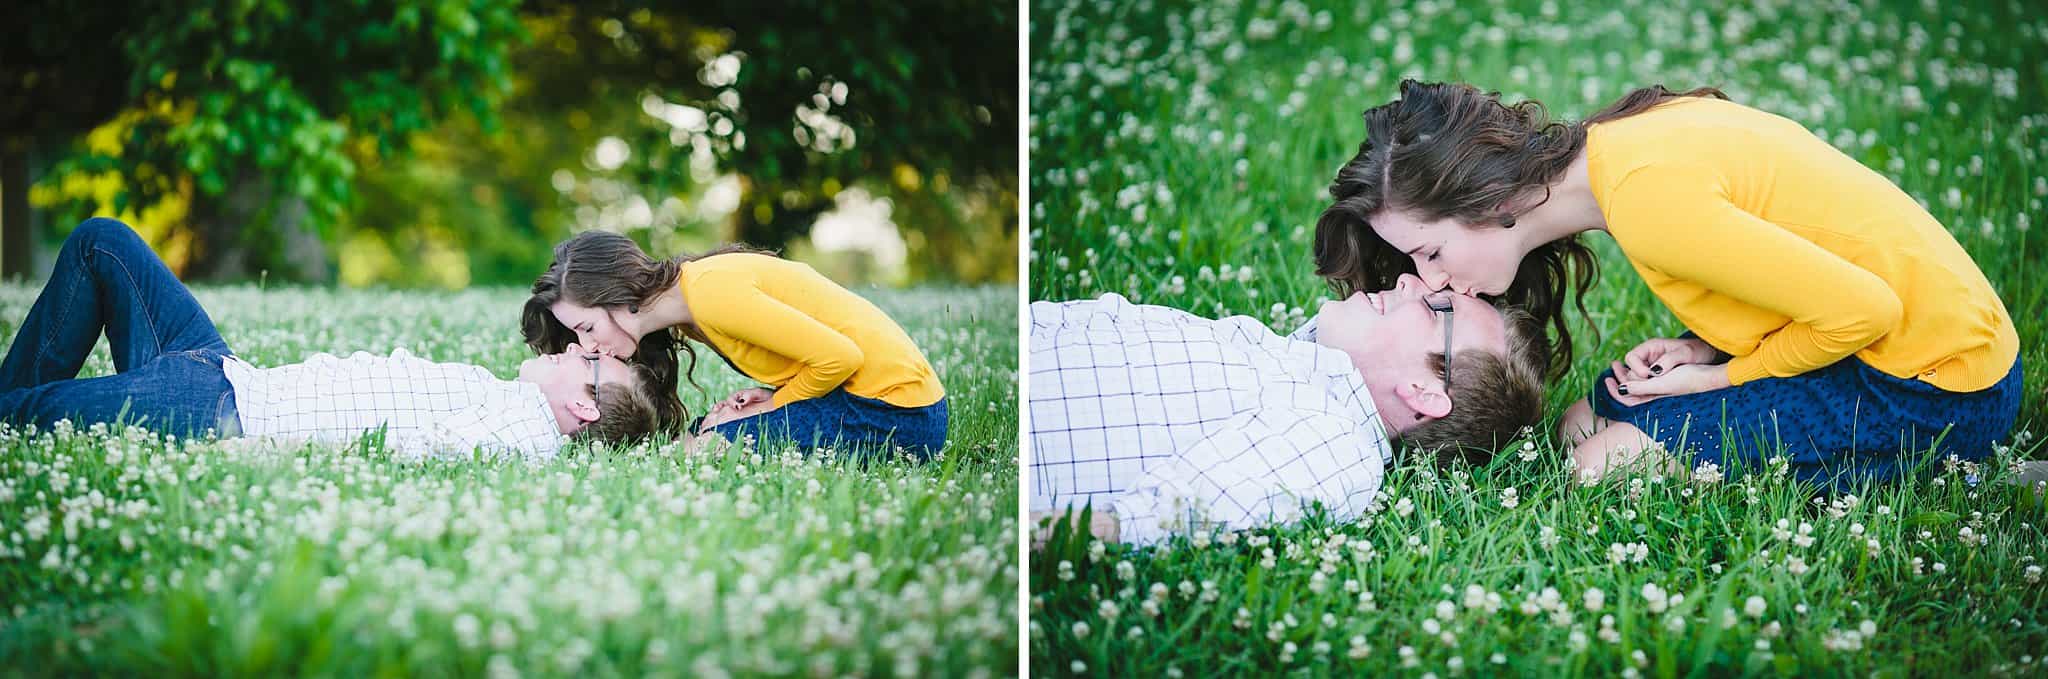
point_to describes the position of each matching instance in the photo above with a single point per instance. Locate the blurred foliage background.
(445, 143)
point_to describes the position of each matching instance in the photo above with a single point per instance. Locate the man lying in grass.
(176, 374)
(1169, 422)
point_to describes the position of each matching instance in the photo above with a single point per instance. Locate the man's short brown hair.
(626, 411)
(1493, 396)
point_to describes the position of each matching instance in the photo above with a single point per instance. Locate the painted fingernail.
(1623, 388)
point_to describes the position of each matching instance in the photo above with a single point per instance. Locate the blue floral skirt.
(846, 422)
(1837, 425)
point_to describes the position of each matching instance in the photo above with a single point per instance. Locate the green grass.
(1174, 146)
(123, 554)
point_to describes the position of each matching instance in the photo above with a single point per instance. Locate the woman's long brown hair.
(1464, 155)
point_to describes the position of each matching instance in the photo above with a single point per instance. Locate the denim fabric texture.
(1837, 425)
(167, 354)
(844, 422)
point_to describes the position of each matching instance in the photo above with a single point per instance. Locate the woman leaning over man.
(839, 371)
(1831, 318)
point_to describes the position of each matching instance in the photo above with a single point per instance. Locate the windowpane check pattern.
(429, 409)
(1181, 423)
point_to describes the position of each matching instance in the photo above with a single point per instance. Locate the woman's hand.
(753, 397)
(741, 404)
(1685, 379)
(1654, 356)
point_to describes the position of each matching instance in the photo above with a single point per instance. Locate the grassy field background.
(122, 554)
(1180, 156)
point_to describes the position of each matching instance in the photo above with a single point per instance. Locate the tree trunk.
(17, 234)
(242, 234)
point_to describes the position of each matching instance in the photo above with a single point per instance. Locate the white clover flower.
(1359, 649)
(1508, 498)
(1655, 597)
(1754, 607)
(1475, 597)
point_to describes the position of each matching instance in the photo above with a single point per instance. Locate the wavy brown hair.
(1493, 396)
(606, 270)
(626, 413)
(1449, 150)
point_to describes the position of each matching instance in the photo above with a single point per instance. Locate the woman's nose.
(1433, 279)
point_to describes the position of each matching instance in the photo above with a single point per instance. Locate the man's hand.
(1102, 525)
(1684, 379)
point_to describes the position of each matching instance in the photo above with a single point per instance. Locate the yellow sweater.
(1785, 253)
(783, 324)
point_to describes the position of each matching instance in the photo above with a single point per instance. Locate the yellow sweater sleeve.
(1696, 234)
(739, 309)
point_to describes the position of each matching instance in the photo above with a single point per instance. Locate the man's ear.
(1427, 400)
(583, 409)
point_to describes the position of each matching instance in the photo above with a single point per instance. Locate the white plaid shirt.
(1179, 423)
(428, 409)
(1305, 333)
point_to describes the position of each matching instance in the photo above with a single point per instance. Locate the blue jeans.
(167, 354)
(855, 423)
(1839, 425)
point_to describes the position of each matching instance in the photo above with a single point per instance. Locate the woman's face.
(1450, 255)
(597, 329)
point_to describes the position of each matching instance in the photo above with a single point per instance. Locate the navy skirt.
(1839, 425)
(846, 422)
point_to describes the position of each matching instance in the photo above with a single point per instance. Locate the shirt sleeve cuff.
(1743, 369)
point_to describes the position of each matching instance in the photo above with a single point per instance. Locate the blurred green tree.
(916, 100)
(290, 145)
(247, 105)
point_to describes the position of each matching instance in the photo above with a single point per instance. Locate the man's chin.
(527, 370)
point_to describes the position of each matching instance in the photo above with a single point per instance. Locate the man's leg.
(105, 278)
(178, 393)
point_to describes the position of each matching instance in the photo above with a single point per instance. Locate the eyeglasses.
(595, 394)
(1440, 302)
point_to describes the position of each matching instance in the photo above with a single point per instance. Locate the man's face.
(1390, 334)
(566, 380)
